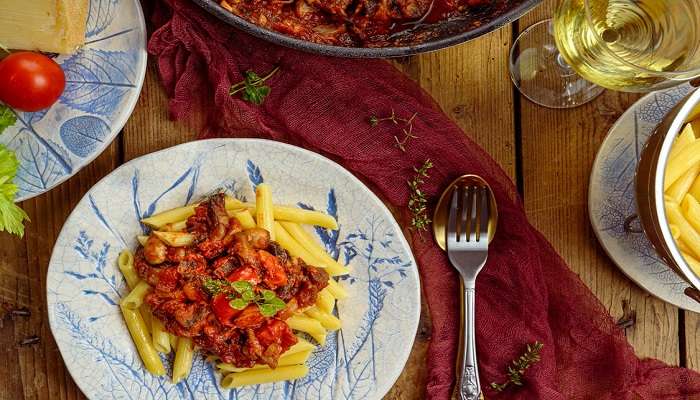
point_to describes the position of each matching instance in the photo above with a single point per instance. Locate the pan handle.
(692, 293)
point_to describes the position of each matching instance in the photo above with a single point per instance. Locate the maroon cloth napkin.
(525, 293)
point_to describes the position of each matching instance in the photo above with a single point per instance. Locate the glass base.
(541, 74)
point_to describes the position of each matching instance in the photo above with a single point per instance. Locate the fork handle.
(467, 369)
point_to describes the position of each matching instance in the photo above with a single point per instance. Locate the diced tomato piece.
(275, 275)
(223, 311)
(276, 332)
(248, 274)
(250, 317)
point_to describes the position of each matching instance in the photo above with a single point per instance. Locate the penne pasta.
(263, 209)
(325, 301)
(245, 218)
(134, 299)
(126, 266)
(175, 239)
(329, 321)
(336, 289)
(693, 263)
(297, 250)
(332, 266)
(682, 162)
(300, 216)
(173, 341)
(292, 246)
(258, 376)
(686, 137)
(688, 234)
(169, 216)
(675, 232)
(679, 188)
(142, 340)
(285, 360)
(183, 359)
(695, 188)
(308, 325)
(142, 239)
(691, 211)
(182, 213)
(161, 338)
(301, 345)
(179, 226)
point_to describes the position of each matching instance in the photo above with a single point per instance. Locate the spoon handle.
(467, 369)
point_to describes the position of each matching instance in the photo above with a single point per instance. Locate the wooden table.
(469, 82)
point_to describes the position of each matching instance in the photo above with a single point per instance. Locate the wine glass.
(623, 45)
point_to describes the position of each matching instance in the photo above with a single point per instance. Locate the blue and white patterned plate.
(103, 82)
(380, 317)
(611, 198)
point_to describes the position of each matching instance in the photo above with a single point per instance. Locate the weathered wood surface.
(549, 154)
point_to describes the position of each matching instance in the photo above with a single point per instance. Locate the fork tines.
(468, 220)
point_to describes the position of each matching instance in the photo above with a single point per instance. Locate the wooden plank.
(692, 340)
(149, 128)
(558, 149)
(37, 371)
(465, 80)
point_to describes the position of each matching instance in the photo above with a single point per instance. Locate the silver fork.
(467, 248)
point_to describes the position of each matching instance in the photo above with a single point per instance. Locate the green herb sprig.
(11, 216)
(243, 294)
(517, 370)
(7, 117)
(417, 201)
(406, 127)
(252, 86)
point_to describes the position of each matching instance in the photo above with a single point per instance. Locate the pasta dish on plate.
(236, 281)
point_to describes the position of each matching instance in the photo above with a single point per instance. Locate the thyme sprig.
(517, 370)
(406, 127)
(417, 201)
(252, 86)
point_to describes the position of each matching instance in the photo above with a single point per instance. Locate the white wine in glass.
(623, 45)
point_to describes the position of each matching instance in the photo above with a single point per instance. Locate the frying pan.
(423, 39)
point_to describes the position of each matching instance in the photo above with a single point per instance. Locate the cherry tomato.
(223, 311)
(30, 81)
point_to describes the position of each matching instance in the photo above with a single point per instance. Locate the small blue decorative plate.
(84, 285)
(103, 82)
(612, 203)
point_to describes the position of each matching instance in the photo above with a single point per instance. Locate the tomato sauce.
(353, 23)
(231, 291)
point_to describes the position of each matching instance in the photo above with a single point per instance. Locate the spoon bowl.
(443, 207)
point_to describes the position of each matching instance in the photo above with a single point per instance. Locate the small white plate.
(84, 285)
(103, 82)
(611, 199)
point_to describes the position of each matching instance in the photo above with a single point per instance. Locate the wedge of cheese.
(55, 26)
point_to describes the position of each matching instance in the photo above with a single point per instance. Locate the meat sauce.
(352, 23)
(223, 253)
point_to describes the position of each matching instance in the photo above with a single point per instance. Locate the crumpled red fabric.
(526, 292)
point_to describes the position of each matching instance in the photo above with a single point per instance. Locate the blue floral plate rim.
(124, 110)
(632, 253)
